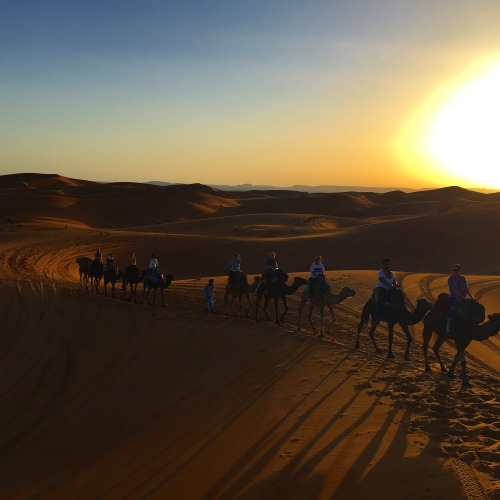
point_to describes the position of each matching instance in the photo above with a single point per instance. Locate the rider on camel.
(459, 290)
(153, 266)
(110, 262)
(270, 267)
(317, 268)
(234, 268)
(386, 282)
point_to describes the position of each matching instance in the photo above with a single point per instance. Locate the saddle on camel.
(468, 311)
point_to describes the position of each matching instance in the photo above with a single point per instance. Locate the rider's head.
(386, 261)
(317, 258)
(153, 256)
(237, 255)
(272, 254)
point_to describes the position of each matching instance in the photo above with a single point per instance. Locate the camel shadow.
(392, 475)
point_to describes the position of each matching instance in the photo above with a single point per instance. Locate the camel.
(152, 284)
(463, 332)
(111, 275)
(322, 297)
(84, 269)
(239, 289)
(276, 290)
(393, 314)
(95, 274)
(131, 276)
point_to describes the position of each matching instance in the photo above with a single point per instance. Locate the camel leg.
(322, 321)
(451, 371)
(439, 342)
(226, 301)
(371, 333)
(465, 379)
(300, 315)
(276, 310)
(249, 305)
(257, 303)
(309, 316)
(426, 337)
(240, 301)
(459, 357)
(285, 308)
(230, 302)
(302, 303)
(232, 298)
(163, 303)
(409, 340)
(361, 324)
(333, 318)
(390, 354)
(241, 306)
(266, 303)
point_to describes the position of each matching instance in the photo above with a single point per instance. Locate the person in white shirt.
(386, 282)
(153, 262)
(317, 268)
(153, 265)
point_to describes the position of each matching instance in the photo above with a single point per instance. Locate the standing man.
(209, 291)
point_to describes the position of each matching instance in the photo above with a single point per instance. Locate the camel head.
(487, 329)
(300, 281)
(424, 305)
(347, 292)
(494, 321)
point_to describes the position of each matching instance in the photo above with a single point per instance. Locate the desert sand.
(105, 398)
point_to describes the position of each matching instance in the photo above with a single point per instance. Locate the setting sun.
(464, 135)
(453, 137)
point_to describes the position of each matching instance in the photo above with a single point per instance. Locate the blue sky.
(227, 92)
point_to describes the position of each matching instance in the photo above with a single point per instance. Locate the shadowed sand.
(106, 398)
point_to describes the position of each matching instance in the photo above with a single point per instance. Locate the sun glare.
(454, 138)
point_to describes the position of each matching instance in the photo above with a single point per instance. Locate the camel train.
(271, 288)
(92, 271)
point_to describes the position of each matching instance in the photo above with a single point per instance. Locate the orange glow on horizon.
(452, 139)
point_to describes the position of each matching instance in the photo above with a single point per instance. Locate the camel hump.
(397, 297)
(442, 303)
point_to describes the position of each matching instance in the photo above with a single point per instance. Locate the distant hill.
(297, 187)
(314, 189)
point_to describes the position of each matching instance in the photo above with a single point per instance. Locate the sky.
(343, 92)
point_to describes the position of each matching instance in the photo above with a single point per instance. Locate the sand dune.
(108, 398)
